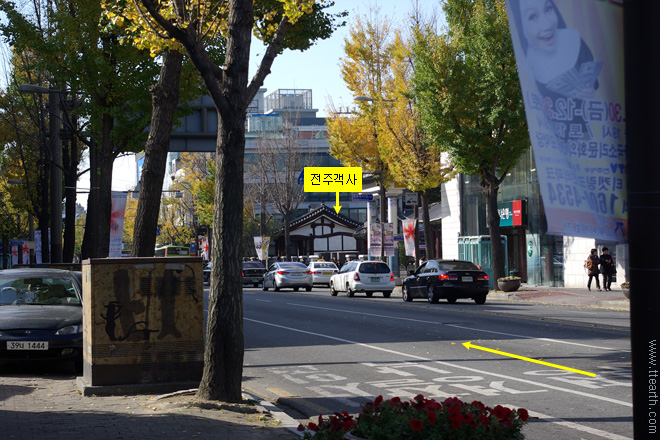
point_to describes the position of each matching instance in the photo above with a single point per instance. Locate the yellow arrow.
(469, 345)
(337, 207)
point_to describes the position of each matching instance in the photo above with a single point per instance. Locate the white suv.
(363, 276)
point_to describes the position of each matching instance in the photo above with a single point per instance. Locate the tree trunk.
(70, 183)
(165, 98)
(223, 356)
(497, 248)
(430, 245)
(287, 236)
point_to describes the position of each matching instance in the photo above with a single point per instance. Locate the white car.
(322, 271)
(363, 276)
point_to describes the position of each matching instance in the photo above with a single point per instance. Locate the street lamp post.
(55, 167)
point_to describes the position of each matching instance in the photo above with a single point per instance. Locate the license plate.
(375, 279)
(467, 279)
(27, 345)
(256, 280)
(327, 273)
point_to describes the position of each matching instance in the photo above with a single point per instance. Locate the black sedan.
(40, 315)
(253, 273)
(449, 279)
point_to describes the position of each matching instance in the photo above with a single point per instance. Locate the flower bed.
(421, 419)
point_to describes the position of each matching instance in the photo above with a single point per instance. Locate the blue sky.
(318, 67)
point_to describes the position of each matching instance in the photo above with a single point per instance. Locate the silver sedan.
(294, 275)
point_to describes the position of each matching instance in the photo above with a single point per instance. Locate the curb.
(288, 422)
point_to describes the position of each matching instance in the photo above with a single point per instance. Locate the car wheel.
(295, 289)
(308, 289)
(263, 287)
(350, 293)
(451, 299)
(333, 291)
(369, 294)
(276, 288)
(480, 299)
(430, 294)
(406, 295)
(387, 294)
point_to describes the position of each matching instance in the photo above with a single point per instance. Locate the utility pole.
(641, 40)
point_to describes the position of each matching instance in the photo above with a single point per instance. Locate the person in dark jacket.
(591, 264)
(606, 268)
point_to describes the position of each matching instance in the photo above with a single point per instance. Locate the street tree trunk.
(70, 183)
(430, 244)
(165, 98)
(491, 188)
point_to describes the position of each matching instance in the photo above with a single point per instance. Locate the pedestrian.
(591, 264)
(607, 268)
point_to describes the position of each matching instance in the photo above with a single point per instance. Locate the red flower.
(455, 422)
(301, 427)
(431, 417)
(313, 426)
(416, 425)
(500, 412)
(523, 414)
(378, 400)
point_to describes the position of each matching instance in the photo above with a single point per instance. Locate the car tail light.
(242, 274)
(392, 277)
(482, 277)
(356, 277)
(309, 271)
(312, 272)
(282, 272)
(445, 277)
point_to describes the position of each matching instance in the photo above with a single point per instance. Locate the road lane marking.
(412, 356)
(460, 326)
(573, 425)
(264, 300)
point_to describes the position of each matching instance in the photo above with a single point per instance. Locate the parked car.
(363, 276)
(206, 273)
(253, 272)
(322, 271)
(40, 315)
(286, 274)
(449, 279)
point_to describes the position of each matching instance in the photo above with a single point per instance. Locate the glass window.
(375, 267)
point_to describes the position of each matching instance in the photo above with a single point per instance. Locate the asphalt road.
(313, 353)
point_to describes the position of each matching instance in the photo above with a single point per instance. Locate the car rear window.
(374, 268)
(293, 266)
(457, 265)
(252, 265)
(325, 265)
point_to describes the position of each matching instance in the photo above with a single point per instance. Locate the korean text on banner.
(409, 237)
(375, 239)
(570, 63)
(117, 223)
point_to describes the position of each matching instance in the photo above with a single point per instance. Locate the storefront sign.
(571, 75)
(513, 213)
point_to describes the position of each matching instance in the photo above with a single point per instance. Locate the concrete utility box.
(142, 320)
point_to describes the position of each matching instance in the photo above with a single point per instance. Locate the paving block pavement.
(38, 405)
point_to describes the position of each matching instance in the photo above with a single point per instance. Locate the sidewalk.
(566, 296)
(46, 406)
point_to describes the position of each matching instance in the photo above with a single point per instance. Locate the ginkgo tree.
(193, 24)
(469, 97)
(414, 161)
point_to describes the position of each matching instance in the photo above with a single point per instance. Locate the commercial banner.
(14, 255)
(375, 239)
(117, 223)
(409, 236)
(261, 245)
(570, 63)
(26, 253)
(37, 246)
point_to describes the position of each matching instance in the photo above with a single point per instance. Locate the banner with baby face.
(570, 63)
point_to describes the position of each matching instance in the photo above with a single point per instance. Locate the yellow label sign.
(333, 179)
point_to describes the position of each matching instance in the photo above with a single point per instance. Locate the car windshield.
(457, 265)
(38, 290)
(374, 268)
(325, 265)
(252, 265)
(298, 266)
